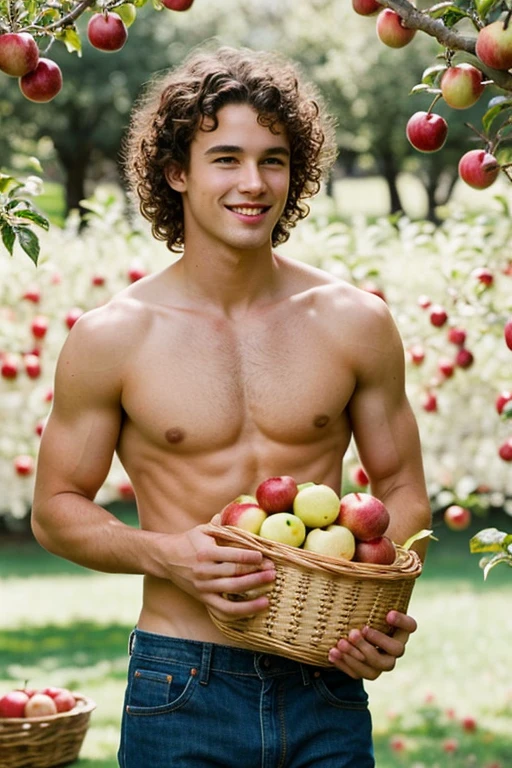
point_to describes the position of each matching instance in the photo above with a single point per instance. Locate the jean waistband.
(206, 657)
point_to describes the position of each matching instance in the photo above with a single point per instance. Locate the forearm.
(73, 527)
(410, 513)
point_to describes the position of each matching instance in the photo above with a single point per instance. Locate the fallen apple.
(285, 528)
(317, 505)
(334, 541)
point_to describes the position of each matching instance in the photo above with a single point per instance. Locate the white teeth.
(248, 211)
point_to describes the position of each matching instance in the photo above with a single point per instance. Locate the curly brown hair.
(174, 106)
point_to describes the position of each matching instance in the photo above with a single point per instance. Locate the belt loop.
(206, 660)
(306, 677)
(131, 642)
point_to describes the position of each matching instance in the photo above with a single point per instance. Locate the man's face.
(236, 185)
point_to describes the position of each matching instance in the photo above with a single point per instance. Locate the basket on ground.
(316, 600)
(45, 742)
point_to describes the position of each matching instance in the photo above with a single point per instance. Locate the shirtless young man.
(231, 365)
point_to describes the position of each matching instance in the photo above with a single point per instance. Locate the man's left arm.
(387, 440)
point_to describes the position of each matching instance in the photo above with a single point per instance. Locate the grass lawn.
(63, 625)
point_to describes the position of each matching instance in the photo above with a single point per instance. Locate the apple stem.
(434, 102)
(478, 133)
(507, 19)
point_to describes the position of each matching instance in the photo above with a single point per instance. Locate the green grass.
(52, 203)
(64, 625)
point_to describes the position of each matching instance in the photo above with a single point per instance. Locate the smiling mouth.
(244, 210)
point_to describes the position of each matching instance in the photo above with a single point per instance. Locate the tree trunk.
(390, 173)
(75, 167)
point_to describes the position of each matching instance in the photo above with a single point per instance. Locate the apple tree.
(475, 38)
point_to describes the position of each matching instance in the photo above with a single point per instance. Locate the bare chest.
(202, 384)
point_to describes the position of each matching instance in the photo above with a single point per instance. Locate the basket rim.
(89, 706)
(287, 554)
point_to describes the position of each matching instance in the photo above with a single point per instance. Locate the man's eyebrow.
(233, 149)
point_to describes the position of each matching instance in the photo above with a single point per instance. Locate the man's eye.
(274, 161)
(225, 160)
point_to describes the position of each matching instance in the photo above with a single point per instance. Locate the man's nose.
(251, 179)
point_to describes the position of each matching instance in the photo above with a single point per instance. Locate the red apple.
(24, 465)
(426, 131)
(363, 514)
(478, 168)
(136, 272)
(446, 367)
(483, 275)
(366, 7)
(107, 32)
(502, 399)
(438, 315)
(457, 336)
(359, 476)
(9, 366)
(39, 326)
(12, 704)
(507, 332)
(63, 698)
(40, 705)
(126, 491)
(98, 280)
(43, 83)
(32, 293)
(39, 428)
(464, 358)
(429, 402)
(461, 86)
(469, 724)
(32, 366)
(246, 515)
(371, 287)
(177, 5)
(494, 45)
(424, 301)
(72, 316)
(276, 494)
(19, 53)
(505, 450)
(417, 354)
(391, 30)
(380, 550)
(457, 518)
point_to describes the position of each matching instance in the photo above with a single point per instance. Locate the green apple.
(335, 541)
(284, 528)
(316, 505)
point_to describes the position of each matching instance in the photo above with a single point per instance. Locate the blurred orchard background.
(392, 220)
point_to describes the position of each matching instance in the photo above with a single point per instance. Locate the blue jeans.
(201, 705)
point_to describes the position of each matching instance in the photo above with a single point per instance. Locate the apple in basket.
(285, 528)
(364, 514)
(380, 550)
(12, 704)
(63, 698)
(243, 513)
(40, 705)
(335, 541)
(317, 505)
(276, 494)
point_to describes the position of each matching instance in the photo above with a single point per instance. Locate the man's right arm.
(75, 456)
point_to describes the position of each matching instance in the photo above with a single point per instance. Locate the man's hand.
(222, 577)
(368, 653)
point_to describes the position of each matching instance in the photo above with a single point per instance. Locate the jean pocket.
(153, 691)
(340, 690)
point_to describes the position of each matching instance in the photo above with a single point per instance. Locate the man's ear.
(176, 177)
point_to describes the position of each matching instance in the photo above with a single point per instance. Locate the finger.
(394, 646)
(229, 555)
(211, 570)
(402, 621)
(356, 648)
(227, 610)
(352, 667)
(235, 584)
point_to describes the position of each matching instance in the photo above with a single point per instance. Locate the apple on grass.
(426, 131)
(243, 514)
(12, 704)
(19, 53)
(284, 528)
(107, 32)
(503, 398)
(317, 505)
(507, 332)
(364, 514)
(43, 83)
(494, 45)
(380, 550)
(505, 450)
(334, 541)
(438, 315)
(457, 518)
(478, 168)
(276, 494)
(461, 86)
(391, 30)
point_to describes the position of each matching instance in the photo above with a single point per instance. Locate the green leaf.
(71, 40)
(29, 241)
(432, 74)
(496, 560)
(423, 534)
(437, 12)
(484, 6)
(8, 237)
(37, 218)
(488, 540)
(453, 16)
(8, 183)
(494, 112)
(423, 88)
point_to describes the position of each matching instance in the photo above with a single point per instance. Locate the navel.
(321, 421)
(175, 435)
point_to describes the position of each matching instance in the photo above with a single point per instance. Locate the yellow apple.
(335, 541)
(317, 505)
(284, 528)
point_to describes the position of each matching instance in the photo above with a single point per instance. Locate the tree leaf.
(494, 112)
(484, 6)
(34, 216)
(488, 540)
(432, 74)
(8, 183)
(29, 241)
(71, 40)
(8, 237)
(423, 534)
(502, 557)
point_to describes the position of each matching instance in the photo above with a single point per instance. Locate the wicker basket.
(316, 600)
(45, 742)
